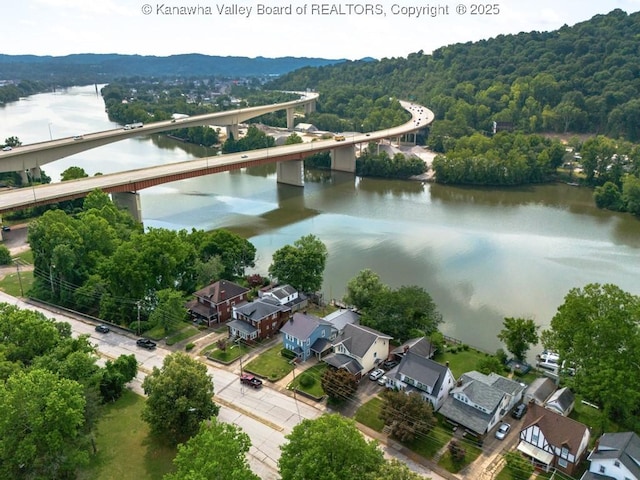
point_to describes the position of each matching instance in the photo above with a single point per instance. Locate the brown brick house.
(214, 303)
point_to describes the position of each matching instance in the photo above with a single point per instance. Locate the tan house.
(214, 303)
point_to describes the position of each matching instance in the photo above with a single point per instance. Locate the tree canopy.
(408, 415)
(596, 330)
(518, 334)
(300, 265)
(328, 448)
(179, 397)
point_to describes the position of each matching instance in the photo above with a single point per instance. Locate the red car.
(250, 380)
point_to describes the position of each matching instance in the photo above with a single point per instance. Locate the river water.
(483, 254)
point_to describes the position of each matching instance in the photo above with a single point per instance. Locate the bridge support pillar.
(344, 159)
(24, 178)
(309, 107)
(291, 172)
(290, 112)
(129, 201)
(233, 130)
(36, 173)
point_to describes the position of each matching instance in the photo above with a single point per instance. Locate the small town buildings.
(285, 295)
(343, 317)
(478, 402)
(307, 335)
(550, 440)
(539, 391)
(416, 373)
(358, 349)
(616, 456)
(561, 401)
(258, 320)
(214, 303)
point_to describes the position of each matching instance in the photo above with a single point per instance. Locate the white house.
(550, 440)
(359, 349)
(285, 295)
(416, 373)
(616, 456)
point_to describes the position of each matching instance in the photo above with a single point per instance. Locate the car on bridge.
(7, 148)
(244, 156)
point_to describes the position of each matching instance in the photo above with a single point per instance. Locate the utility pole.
(51, 267)
(138, 305)
(19, 277)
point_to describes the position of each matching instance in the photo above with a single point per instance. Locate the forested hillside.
(581, 78)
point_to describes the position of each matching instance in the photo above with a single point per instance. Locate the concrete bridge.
(33, 156)
(124, 186)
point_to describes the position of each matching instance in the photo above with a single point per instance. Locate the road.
(266, 415)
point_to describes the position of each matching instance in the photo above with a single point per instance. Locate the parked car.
(6, 228)
(502, 430)
(389, 364)
(382, 381)
(251, 380)
(519, 411)
(376, 374)
(146, 343)
(102, 329)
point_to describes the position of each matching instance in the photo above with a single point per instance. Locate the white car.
(6, 149)
(382, 381)
(376, 374)
(502, 431)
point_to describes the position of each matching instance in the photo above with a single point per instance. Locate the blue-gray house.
(307, 335)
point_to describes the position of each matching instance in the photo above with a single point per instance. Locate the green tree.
(394, 470)
(408, 415)
(41, 421)
(339, 384)
(235, 253)
(217, 452)
(73, 173)
(293, 139)
(169, 311)
(328, 447)
(490, 364)
(596, 331)
(179, 397)
(301, 265)
(399, 312)
(608, 196)
(363, 289)
(518, 334)
(631, 194)
(5, 255)
(115, 375)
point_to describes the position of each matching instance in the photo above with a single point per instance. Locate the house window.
(534, 438)
(616, 463)
(565, 452)
(562, 462)
(602, 469)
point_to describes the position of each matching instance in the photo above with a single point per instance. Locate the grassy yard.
(270, 364)
(315, 373)
(11, 283)
(471, 453)
(184, 333)
(228, 355)
(125, 449)
(462, 361)
(369, 414)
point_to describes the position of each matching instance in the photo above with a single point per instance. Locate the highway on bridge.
(136, 180)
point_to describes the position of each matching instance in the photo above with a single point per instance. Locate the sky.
(277, 28)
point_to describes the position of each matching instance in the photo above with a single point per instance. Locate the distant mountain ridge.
(104, 67)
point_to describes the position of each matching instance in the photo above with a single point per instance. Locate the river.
(483, 254)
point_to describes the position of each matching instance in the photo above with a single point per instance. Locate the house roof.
(540, 389)
(242, 326)
(479, 392)
(358, 339)
(260, 308)
(221, 291)
(624, 446)
(422, 370)
(200, 308)
(420, 345)
(561, 400)
(321, 345)
(281, 291)
(339, 360)
(341, 318)
(302, 325)
(558, 430)
(496, 381)
(465, 415)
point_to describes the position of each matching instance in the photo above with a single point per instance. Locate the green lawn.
(369, 414)
(11, 283)
(228, 355)
(314, 372)
(430, 444)
(125, 450)
(270, 364)
(471, 453)
(184, 333)
(462, 361)
(593, 418)
(26, 257)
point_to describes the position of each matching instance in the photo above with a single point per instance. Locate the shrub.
(189, 346)
(5, 255)
(453, 350)
(502, 356)
(307, 380)
(456, 451)
(286, 353)
(465, 347)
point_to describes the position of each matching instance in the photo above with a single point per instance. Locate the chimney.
(406, 349)
(222, 292)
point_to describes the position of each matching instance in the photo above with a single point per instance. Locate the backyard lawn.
(270, 364)
(314, 373)
(125, 449)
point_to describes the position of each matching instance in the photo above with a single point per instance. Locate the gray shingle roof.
(260, 308)
(357, 339)
(423, 370)
(540, 389)
(242, 326)
(302, 325)
(339, 360)
(341, 318)
(421, 346)
(561, 399)
(465, 415)
(623, 446)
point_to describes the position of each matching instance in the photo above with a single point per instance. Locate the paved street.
(266, 415)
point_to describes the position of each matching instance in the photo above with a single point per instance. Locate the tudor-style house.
(551, 440)
(214, 303)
